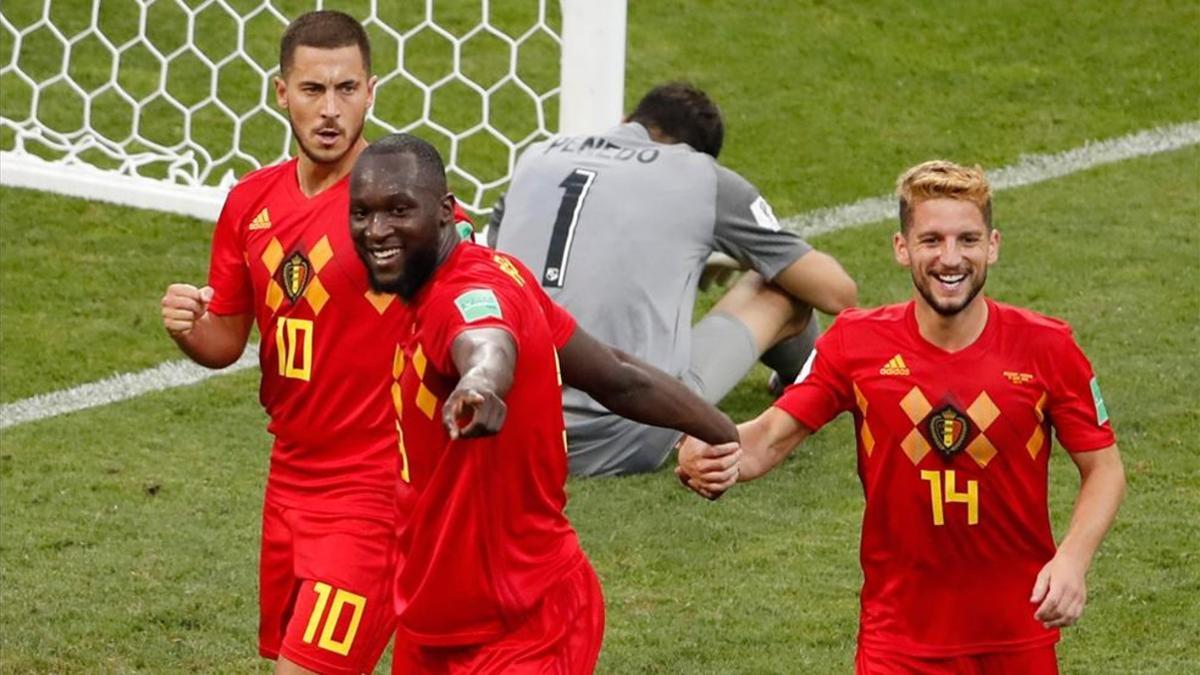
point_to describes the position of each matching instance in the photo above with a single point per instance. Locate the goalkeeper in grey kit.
(619, 227)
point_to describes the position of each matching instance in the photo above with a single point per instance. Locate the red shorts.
(1036, 661)
(325, 589)
(562, 634)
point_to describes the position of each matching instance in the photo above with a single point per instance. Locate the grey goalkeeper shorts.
(723, 351)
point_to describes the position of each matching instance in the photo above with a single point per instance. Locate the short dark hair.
(323, 29)
(430, 166)
(685, 113)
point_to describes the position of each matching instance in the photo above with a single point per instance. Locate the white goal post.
(162, 104)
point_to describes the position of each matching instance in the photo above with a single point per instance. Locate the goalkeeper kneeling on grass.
(618, 227)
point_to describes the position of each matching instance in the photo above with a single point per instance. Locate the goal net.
(163, 104)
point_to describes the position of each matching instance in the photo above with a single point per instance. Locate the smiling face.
(326, 93)
(947, 247)
(401, 220)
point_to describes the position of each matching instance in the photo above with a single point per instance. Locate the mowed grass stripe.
(1029, 170)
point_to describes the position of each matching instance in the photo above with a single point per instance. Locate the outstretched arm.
(765, 441)
(485, 359)
(1061, 587)
(637, 390)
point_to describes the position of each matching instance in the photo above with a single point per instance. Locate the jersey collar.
(978, 347)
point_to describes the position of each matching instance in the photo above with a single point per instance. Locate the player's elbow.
(818, 279)
(1118, 480)
(838, 289)
(843, 294)
(217, 360)
(214, 354)
(623, 383)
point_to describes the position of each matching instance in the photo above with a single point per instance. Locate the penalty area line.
(1028, 170)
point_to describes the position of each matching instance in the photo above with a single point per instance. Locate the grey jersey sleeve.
(746, 229)
(493, 226)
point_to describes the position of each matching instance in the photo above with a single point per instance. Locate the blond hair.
(941, 179)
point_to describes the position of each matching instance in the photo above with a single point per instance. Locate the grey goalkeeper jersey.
(618, 228)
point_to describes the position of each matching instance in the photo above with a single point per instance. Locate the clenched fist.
(182, 306)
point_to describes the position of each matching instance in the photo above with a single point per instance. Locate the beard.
(942, 308)
(417, 269)
(314, 154)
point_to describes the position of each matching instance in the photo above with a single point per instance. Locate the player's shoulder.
(728, 176)
(1030, 324)
(859, 318)
(736, 191)
(866, 328)
(257, 178)
(476, 264)
(253, 185)
(477, 282)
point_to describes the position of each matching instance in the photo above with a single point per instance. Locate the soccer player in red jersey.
(282, 256)
(493, 578)
(954, 397)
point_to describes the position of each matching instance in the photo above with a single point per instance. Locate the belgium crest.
(948, 429)
(295, 273)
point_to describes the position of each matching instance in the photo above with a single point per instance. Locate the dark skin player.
(402, 223)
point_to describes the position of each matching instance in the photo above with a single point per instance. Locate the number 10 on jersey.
(294, 343)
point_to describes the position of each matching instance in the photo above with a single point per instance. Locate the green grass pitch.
(128, 533)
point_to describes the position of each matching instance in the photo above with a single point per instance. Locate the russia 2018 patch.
(478, 304)
(1098, 399)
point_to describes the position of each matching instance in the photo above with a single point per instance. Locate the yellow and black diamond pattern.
(296, 275)
(983, 413)
(398, 402)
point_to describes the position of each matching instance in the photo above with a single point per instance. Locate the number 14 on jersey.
(943, 490)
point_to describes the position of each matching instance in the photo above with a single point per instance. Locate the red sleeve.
(228, 272)
(1074, 404)
(562, 324)
(822, 390)
(462, 307)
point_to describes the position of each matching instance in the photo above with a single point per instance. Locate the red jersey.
(288, 259)
(487, 534)
(953, 451)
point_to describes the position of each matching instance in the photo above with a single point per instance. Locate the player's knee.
(796, 322)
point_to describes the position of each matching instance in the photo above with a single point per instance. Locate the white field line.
(1028, 170)
(117, 388)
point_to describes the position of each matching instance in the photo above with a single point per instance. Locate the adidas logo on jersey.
(262, 221)
(895, 366)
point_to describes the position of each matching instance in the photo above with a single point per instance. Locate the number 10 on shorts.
(340, 600)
